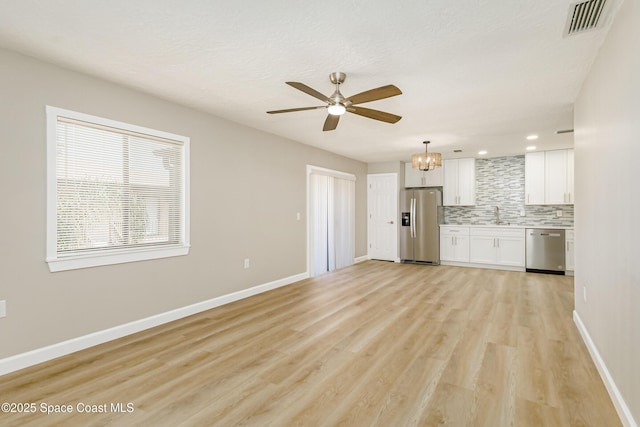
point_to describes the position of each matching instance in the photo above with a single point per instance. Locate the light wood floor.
(375, 344)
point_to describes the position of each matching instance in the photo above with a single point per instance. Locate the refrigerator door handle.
(413, 217)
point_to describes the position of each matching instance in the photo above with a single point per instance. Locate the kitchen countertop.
(552, 227)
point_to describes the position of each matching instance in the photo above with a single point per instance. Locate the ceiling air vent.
(584, 16)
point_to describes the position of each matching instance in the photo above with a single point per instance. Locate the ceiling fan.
(337, 104)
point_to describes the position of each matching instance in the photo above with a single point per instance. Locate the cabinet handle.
(498, 243)
(452, 241)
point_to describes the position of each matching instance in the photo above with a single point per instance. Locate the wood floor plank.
(496, 387)
(373, 344)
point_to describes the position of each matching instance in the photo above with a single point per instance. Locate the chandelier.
(426, 161)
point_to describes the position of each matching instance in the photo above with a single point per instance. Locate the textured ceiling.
(475, 74)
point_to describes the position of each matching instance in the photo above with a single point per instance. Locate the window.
(116, 192)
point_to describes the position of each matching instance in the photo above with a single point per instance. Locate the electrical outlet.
(522, 213)
(298, 216)
(246, 263)
(3, 308)
(559, 213)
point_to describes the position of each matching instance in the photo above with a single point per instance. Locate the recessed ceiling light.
(483, 152)
(532, 137)
(531, 148)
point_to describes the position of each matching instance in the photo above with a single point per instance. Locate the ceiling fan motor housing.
(337, 77)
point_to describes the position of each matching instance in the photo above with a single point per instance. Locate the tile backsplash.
(500, 182)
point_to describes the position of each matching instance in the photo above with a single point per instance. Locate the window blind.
(116, 189)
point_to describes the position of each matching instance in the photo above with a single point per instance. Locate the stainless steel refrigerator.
(421, 214)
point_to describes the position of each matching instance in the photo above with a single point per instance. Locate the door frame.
(327, 172)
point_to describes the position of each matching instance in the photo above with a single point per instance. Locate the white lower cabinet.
(569, 247)
(497, 246)
(482, 250)
(490, 247)
(454, 244)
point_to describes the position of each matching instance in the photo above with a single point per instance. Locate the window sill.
(96, 260)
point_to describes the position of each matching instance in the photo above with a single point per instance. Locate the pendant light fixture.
(426, 161)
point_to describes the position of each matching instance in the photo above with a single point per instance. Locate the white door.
(344, 195)
(382, 200)
(319, 223)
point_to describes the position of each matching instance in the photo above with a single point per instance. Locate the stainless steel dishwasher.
(545, 250)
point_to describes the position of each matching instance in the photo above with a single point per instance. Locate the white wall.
(607, 209)
(246, 188)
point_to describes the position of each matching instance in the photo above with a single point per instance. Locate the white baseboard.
(621, 407)
(30, 358)
(361, 258)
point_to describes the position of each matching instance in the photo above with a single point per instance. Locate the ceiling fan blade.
(309, 91)
(374, 94)
(374, 114)
(331, 122)
(291, 110)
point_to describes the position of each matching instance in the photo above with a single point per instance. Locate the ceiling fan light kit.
(336, 109)
(426, 161)
(337, 104)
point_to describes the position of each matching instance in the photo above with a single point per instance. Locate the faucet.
(497, 214)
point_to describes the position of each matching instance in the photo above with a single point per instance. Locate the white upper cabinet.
(549, 178)
(534, 178)
(555, 177)
(416, 178)
(459, 186)
(570, 189)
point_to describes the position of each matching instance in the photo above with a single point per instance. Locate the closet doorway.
(331, 219)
